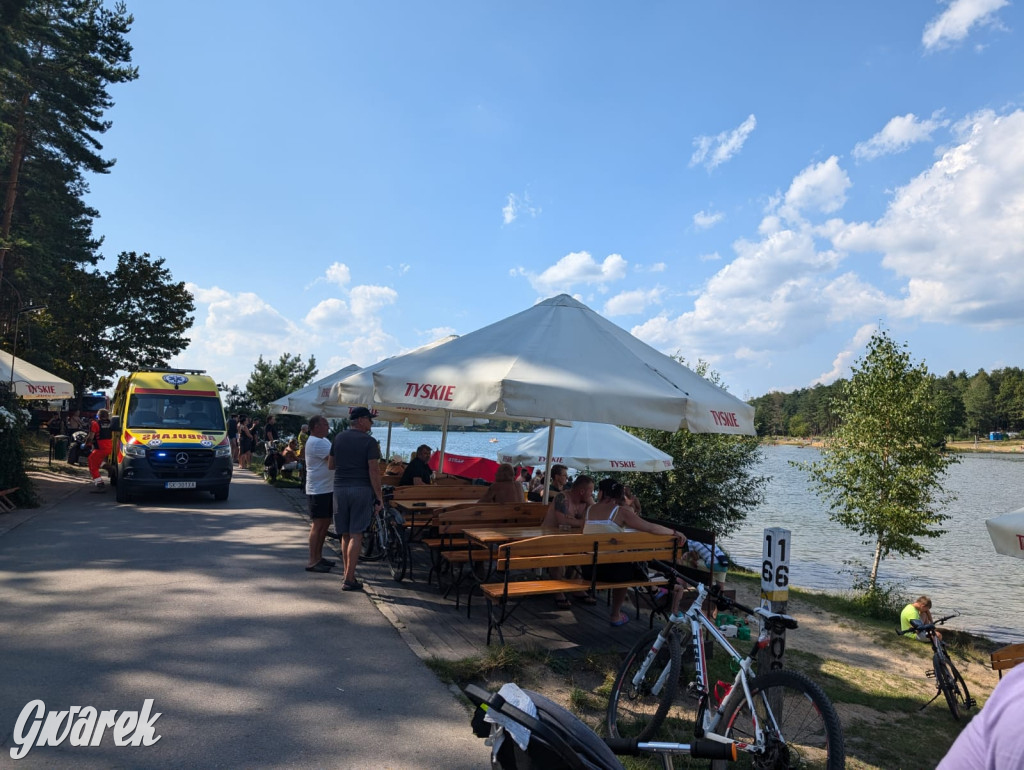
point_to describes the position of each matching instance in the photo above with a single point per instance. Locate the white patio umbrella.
(589, 446)
(357, 390)
(32, 382)
(561, 359)
(311, 399)
(1007, 533)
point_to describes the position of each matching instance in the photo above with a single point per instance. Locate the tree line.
(58, 62)
(966, 406)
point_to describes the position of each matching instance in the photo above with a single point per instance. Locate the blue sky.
(759, 185)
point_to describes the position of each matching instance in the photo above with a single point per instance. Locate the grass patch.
(511, 662)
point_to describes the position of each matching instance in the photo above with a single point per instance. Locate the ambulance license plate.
(180, 485)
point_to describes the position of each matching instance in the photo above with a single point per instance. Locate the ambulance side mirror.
(115, 424)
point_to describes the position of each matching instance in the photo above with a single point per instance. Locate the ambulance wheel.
(221, 493)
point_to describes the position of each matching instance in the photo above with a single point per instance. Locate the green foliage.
(58, 59)
(269, 382)
(882, 470)
(714, 482)
(13, 419)
(134, 317)
(713, 485)
(236, 400)
(965, 406)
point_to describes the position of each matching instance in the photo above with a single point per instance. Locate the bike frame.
(740, 686)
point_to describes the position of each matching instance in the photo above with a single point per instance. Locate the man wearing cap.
(355, 459)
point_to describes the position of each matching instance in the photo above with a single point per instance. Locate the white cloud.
(955, 23)
(955, 232)
(897, 135)
(632, 302)
(330, 312)
(844, 358)
(575, 269)
(704, 220)
(821, 187)
(713, 151)
(438, 332)
(952, 240)
(234, 329)
(516, 205)
(658, 267)
(338, 273)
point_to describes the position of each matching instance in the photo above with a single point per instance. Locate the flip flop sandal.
(586, 599)
(563, 604)
(623, 620)
(319, 568)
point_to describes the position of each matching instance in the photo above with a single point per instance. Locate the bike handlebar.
(699, 749)
(773, 620)
(926, 627)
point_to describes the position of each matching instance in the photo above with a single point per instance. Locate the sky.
(757, 185)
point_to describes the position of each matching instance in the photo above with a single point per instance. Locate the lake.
(961, 571)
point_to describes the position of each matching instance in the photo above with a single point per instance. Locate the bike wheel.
(396, 552)
(963, 695)
(801, 727)
(371, 550)
(947, 683)
(634, 710)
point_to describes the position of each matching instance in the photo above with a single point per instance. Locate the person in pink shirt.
(994, 739)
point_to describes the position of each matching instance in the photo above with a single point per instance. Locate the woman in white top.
(617, 509)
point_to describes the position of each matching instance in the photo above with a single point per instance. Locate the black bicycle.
(947, 679)
(386, 539)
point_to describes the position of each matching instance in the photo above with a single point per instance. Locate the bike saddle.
(775, 621)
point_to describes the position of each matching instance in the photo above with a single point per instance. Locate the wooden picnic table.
(488, 539)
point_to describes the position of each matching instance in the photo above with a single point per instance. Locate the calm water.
(961, 572)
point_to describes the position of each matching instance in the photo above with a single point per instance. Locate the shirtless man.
(568, 511)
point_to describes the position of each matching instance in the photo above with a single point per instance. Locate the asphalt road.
(205, 608)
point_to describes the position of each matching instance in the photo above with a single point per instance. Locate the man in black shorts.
(355, 459)
(320, 493)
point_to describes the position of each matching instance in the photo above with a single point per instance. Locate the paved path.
(205, 608)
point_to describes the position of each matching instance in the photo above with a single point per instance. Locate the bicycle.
(777, 719)
(386, 539)
(948, 681)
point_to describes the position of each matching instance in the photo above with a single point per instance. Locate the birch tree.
(882, 471)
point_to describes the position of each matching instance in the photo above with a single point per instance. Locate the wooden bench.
(444, 492)
(7, 505)
(450, 548)
(569, 551)
(1007, 657)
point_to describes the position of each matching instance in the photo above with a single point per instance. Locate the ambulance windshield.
(201, 413)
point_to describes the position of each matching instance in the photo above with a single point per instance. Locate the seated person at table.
(614, 512)
(290, 459)
(566, 511)
(417, 471)
(505, 488)
(559, 483)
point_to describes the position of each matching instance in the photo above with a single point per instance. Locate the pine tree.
(57, 60)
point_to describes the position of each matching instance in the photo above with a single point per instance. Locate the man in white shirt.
(319, 491)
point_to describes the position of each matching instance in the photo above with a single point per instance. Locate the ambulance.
(169, 433)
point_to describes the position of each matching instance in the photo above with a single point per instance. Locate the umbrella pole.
(551, 448)
(387, 452)
(444, 441)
